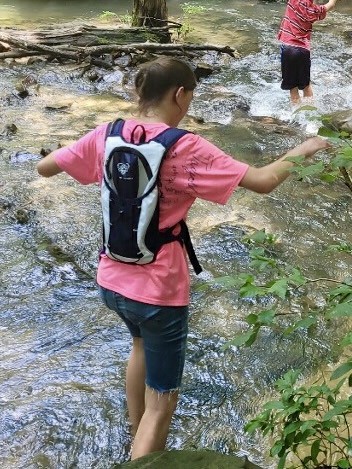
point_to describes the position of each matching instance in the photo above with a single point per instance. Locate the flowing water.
(63, 355)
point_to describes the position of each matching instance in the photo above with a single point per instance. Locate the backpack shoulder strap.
(114, 128)
(170, 136)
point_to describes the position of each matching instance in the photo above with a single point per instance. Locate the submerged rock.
(342, 120)
(185, 459)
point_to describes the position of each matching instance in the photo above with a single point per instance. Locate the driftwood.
(90, 44)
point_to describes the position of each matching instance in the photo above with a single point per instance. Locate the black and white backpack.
(130, 197)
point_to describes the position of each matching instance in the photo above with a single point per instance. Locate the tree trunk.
(149, 13)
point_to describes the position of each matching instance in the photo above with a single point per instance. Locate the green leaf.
(227, 281)
(301, 324)
(325, 132)
(279, 288)
(252, 426)
(312, 169)
(329, 177)
(342, 370)
(296, 159)
(315, 450)
(277, 448)
(340, 408)
(296, 277)
(281, 463)
(340, 310)
(344, 289)
(252, 318)
(306, 107)
(266, 317)
(292, 427)
(246, 339)
(251, 291)
(239, 340)
(307, 424)
(273, 405)
(343, 463)
(347, 340)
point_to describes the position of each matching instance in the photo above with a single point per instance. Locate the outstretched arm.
(48, 167)
(263, 180)
(330, 5)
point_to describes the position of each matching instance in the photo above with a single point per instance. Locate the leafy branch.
(310, 424)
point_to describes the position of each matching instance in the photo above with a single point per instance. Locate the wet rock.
(92, 75)
(123, 61)
(49, 149)
(9, 129)
(58, 107)
(221, 107)
(29, 80)
(114, 77)
(342, 120)
(4, 47)
(22, 216)
(35, 60)
(23, 157)
(22, 91)
(5, 203)
(203, 70)
(202, 459)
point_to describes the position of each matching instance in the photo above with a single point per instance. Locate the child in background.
(295, 34)
(152, 299)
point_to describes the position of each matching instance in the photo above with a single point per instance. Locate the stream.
(63, 354)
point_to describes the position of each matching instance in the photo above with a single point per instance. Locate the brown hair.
(154, 79)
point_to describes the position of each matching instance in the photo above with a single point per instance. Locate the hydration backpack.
(130, 197)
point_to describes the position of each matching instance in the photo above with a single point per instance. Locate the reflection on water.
(63, 354)
(46, 11)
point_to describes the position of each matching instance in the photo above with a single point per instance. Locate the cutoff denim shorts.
(164, 332)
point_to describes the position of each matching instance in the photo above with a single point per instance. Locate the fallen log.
(151, 46)
(91, 53)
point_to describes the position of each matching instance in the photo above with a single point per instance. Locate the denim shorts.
(164, 332)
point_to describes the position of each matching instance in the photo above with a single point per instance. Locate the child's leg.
(135, 384)
(154, 426)
(294, 95)
(308, 91)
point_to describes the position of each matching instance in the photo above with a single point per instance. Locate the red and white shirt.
(296, 25)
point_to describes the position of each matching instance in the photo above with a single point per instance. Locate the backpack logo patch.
(123, 168)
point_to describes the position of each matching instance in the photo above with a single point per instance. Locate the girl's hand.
(312, 145)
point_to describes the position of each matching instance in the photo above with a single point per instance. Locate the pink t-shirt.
(193, 168)
(296, 26)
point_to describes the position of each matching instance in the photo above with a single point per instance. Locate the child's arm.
(48, 167)
(263, 180)
(330, 5)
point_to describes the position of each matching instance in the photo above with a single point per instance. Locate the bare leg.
(308, 91)
(135, 384)
(294, 95)
(154, 425)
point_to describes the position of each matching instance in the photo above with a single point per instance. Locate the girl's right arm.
(264, 180)
(48, 167)
(330, 5)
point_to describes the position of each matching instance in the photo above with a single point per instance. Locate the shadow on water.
(63, 354)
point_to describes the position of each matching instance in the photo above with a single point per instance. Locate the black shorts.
(295, 67)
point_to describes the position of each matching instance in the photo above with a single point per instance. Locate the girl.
(152, 299)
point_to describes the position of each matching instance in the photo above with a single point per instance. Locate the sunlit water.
(63, 354)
